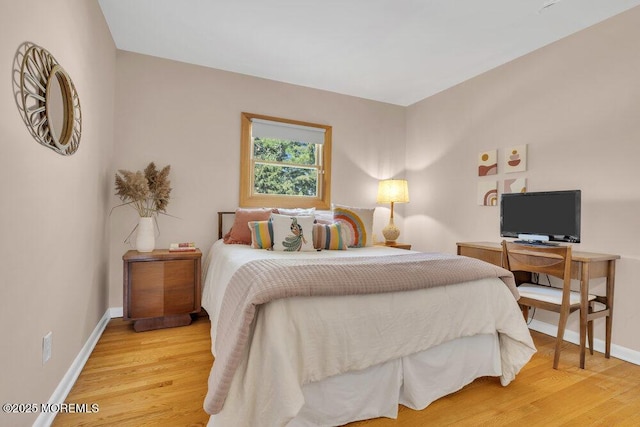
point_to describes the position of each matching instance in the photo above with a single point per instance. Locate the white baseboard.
(69, 379)
(116, 312)
(45, 419)
(617, 351)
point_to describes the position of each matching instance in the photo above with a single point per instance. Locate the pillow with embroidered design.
(358, 222)
(292, 233)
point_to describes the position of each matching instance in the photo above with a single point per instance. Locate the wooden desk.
(584, 266)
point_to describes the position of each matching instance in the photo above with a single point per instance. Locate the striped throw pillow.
(261, 234)
(329, 237)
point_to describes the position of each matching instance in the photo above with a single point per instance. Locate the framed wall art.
(488, 163)
(515, 159)
(516, 185)
(488, 193)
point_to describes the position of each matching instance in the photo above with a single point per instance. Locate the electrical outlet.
(46, 347)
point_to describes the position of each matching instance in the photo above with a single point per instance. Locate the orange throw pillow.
(240, 232)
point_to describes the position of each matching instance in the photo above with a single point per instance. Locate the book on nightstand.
(182, 247)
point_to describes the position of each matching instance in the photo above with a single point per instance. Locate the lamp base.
(391, 232)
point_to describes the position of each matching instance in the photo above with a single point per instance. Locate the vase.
(145, 236)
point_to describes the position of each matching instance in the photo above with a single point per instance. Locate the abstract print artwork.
(488, 163)
(515, 159)
(517, 185)
(488, 193)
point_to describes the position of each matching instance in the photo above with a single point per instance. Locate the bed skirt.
(414, 381)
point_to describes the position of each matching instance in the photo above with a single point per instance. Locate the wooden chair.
(554, 261)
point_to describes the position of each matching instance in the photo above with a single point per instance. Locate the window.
(284, 163)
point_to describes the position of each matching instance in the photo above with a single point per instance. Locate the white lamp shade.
(393, 190)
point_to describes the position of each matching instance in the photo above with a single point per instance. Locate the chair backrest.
(552, 260)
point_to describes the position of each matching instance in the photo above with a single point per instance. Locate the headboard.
(220, 222)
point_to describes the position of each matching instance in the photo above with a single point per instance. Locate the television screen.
(553, 215)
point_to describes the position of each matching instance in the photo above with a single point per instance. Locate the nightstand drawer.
(161, 288)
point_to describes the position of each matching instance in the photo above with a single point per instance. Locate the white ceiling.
(395, 51)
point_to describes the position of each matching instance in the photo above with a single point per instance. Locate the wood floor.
(159, 378)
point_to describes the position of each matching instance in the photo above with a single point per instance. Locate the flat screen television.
(540, 217)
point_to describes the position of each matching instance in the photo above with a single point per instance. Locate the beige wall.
(189, 117)
(576, 103)
(53, 221)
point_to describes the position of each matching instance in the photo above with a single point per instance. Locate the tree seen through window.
(285, 167)
(284, 163)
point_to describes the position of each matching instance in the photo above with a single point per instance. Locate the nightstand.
(161, 288)
(397, 245)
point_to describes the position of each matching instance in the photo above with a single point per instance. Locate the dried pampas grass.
(147, 192)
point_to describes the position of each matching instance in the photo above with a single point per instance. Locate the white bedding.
(224, 264)
(296, 340)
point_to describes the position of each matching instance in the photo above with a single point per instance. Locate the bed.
(361, 336)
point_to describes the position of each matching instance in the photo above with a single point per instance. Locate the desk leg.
(584, 312)
(611, 276)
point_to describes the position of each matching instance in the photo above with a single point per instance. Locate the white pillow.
(296, 211)
(324, 217)
(358, 222)
(292, 233)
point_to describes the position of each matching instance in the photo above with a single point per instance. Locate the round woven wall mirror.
(47, 99)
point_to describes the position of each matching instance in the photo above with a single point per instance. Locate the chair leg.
(590, 330)
(525, 312)
(562, 323)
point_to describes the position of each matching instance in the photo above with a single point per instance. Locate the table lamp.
(392, 191)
